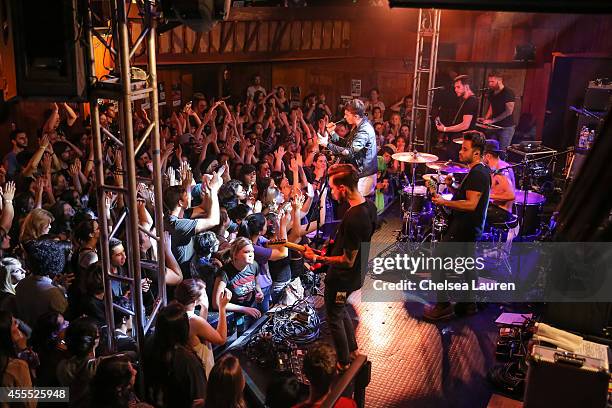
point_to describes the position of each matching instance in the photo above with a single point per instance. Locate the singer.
(359, 147)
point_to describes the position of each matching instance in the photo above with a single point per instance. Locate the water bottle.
(582, 140)
(590, 139)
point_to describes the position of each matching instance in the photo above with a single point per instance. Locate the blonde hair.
(238, 244)
(34, 224)
(6, 279)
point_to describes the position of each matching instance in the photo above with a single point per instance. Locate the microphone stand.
(524, 185)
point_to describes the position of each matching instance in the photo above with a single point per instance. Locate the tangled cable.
(298, 324)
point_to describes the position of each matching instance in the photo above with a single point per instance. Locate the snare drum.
(414, 203)
(533, 210)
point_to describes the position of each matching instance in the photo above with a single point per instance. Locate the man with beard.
(464, 119)
(501, 108)
(469, 207)
(345, 274)
(19, 140)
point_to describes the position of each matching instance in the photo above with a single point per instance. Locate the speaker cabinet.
(49, 50)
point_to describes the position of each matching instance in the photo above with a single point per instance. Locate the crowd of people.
(238, 172)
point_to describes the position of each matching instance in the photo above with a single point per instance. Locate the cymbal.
(448, 167)
(414, 157)
(458, 140)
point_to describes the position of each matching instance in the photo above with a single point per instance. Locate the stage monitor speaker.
(49, 50)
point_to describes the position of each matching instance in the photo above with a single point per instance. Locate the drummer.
(502, 177)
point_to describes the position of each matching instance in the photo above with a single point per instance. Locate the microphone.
(340, 122)
(436, 88)
(484, 90)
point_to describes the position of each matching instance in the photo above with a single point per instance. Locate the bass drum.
(533, 208)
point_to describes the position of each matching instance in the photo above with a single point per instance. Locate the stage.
(420, 364)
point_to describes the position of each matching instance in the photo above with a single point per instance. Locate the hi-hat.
(414, 157)
(448, 167)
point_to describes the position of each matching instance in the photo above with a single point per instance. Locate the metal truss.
(426, 59)
(123, 92)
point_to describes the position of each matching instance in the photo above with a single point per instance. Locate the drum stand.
(408, 215)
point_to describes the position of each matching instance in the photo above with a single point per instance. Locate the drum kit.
(421, 220)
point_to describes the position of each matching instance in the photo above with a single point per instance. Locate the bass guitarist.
(465, 118)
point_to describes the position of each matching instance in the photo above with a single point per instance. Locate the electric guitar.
(317, 267)
(432, 187)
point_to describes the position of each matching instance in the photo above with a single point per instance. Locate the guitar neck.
(290, 245)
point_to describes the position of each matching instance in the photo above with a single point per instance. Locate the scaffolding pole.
(425, 64)
(121, 91)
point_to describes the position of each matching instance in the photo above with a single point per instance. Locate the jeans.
(340, 324)
(265, 303)
(277, 291)
(504, 137)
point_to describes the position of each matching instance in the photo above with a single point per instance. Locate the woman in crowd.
(174, 375)
(254, 227)
(36, 224)
(191, 293)
(113, 384)
(240, 277)
(228, 382)
(14, 371)
(11, 272)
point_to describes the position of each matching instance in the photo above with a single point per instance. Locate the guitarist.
(469, 207)
(465, 118)
(344, 275)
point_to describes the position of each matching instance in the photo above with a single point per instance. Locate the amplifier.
(598, 96)
(516, 153)
(565, 380)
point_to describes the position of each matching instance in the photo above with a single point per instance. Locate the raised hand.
(217, 180)
(171, 173)
(293, 166)
(279, 153)
(9, 191)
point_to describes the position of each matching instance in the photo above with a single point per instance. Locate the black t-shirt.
(280, 270)
(498, 106)
(466, 226)
(468, 106)
(356, 228)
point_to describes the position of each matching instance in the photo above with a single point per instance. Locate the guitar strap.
(458, 110)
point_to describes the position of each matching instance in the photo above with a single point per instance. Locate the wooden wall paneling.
(316, 34)
(505, 44)
(536, 93)
(163, 43)
(306, 36)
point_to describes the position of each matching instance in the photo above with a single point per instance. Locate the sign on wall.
(355, 87)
